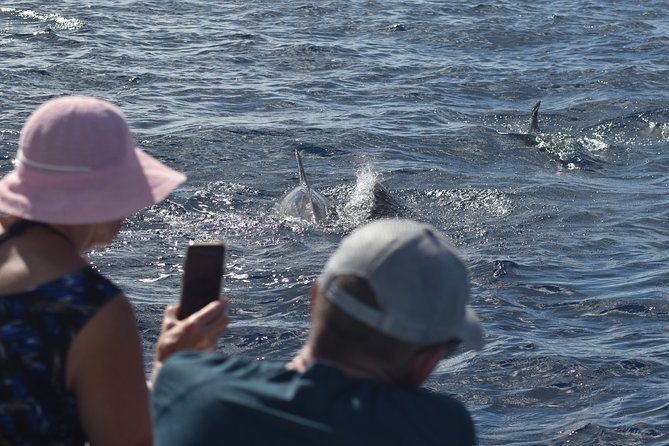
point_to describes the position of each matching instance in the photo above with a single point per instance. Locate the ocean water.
(566, 234)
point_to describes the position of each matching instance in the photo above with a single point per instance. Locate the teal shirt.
(212, 399)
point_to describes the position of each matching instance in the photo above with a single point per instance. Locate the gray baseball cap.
(419, 280)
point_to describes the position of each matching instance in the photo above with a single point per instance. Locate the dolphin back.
(384, 204)
(303, 202)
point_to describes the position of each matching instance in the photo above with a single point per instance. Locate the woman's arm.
(105, 367)
(105, 371)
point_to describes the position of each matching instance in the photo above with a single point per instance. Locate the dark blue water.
(567, 238)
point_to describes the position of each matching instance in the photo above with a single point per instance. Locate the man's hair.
(341, 338)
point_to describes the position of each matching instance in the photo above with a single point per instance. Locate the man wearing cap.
(389, 304)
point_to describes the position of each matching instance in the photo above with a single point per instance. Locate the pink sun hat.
(77, 164)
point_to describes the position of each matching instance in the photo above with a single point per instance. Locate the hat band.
(391, 324)
(21, 158)
(353, 306)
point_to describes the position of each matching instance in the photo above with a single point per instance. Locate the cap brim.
(472, 333)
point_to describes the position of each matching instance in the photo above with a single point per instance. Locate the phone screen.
(202, 277)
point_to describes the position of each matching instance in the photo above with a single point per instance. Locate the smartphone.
(202, 277)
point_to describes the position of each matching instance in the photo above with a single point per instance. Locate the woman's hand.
(199, 331)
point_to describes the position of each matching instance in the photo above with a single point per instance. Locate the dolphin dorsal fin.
(305, 184)
(534, 119)
(300, 170)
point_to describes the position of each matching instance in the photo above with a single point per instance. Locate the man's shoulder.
(435, 418)
(200, 360)
(425, 405)
(379, 413)
(190, 381)
(444, 404)
(434, 398)
(188, 367)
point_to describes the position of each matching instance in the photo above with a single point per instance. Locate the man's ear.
(424, 363)
(313, 292)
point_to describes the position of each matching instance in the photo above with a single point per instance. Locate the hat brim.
(87, 197)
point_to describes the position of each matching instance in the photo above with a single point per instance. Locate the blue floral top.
(37, 328)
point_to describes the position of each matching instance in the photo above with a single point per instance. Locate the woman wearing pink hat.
(71, 363)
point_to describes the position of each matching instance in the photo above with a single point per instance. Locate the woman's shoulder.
(37, 258)
(85, 282)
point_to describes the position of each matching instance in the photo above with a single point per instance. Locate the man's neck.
(305, 357)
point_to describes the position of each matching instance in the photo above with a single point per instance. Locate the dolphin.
(384, 204)
(530, 137)
(534, 119)
(369, 199)
(303, 202)
(569, 151)
(533, 127)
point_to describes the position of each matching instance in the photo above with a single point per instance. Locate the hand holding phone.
(202, 277)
